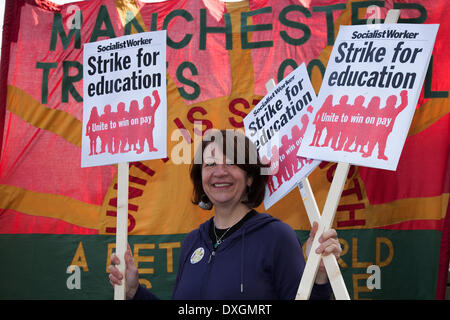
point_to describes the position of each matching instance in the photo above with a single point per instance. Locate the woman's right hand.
(131, 273)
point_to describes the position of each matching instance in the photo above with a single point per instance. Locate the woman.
(239, 253)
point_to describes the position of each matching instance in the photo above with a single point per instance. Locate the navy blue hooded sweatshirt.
(263, 259)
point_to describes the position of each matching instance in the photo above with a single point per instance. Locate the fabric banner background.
(54, 214)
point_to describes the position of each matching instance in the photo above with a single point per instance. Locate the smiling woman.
(230, 164)
(224, 183)
(239, 253)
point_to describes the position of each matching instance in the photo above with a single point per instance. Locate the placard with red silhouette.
(369, 94)
(125, 99)
(277, 125)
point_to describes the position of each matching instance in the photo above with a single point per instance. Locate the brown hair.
(239, 149)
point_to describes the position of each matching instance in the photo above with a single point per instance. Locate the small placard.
(125, 99)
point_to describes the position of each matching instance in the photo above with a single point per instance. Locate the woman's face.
(224, 183)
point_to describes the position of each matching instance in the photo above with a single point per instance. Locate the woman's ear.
(249, 181)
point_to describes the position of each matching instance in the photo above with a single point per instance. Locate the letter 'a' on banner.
(375, 79)
(124, 113)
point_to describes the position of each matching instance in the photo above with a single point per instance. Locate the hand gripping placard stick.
(330, 262)
(121, 226)
(325, 222)
(331, 265)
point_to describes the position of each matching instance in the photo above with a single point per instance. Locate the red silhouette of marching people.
(363, 128)
(284, 160)
(118, 129)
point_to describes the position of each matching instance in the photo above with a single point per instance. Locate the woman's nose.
(220, 170)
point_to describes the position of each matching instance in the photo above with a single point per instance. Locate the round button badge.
(197, 255)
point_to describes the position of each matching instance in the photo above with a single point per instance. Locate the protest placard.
(369, 94)
(276, 125)
(124, 113)
(346, 135)
(124, 103)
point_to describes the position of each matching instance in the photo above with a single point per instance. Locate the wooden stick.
(330, 262)
(121, 226)
(309, 200)
(335, 277)
(326, 220)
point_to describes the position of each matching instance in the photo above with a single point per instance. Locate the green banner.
(42, 264)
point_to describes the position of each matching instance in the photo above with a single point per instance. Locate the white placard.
(369, 94)
(276, 125)
(125, 99)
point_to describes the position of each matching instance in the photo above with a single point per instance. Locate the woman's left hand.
(329, 244)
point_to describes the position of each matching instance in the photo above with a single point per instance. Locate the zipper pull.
(213, 253)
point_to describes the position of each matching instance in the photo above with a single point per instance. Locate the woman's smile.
(224, 183)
